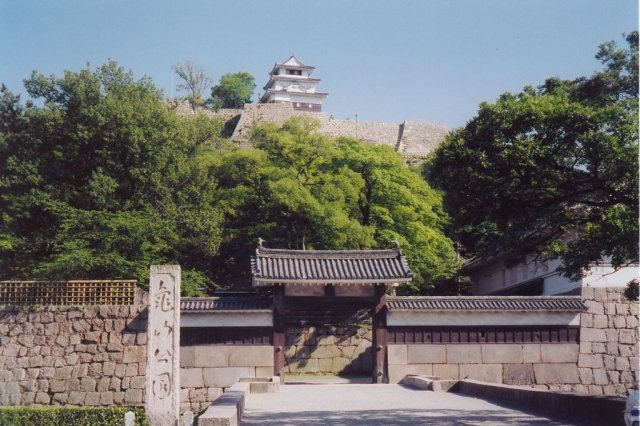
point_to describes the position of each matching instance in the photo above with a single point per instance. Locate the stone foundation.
(329, 350)
(67, 355)
(608, 362)
(208, 370)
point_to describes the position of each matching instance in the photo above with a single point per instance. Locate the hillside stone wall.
(609, 352)
(72, 355)
(411, 139)
(329, 349)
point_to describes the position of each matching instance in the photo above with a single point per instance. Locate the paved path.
(360, 404)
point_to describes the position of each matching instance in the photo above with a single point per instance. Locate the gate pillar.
(278, 331)
(379, 321)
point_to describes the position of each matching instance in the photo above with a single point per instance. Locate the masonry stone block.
(594, 307)
(600, 376)
(187, 356)
(426, 354)
(565, 373)
(593, 335)
(586, 320)
(264, 372)
(518, 374)
(253, 356)
(502, 353)
(590, 361)
(325, 352)
(446, 371)
(211, 356)
(133, 396)
(225, 377)
(191, 378)
(484, 372)
(627, 337)
(622, 364)
(609, 362)
(397, 354)
(137, 382)
(586, 376)
(304, 365)
(464, 354)
(398, 372)
(564, 352)
(93, 398)
(600, 321)
(57, 385)
(600, 294)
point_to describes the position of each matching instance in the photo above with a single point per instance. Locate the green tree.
(102, 180)
(233, 91)
(551, 170)
(298, 189)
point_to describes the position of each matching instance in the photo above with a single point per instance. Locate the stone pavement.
(367, 404)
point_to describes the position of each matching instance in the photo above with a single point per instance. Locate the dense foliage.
(102, 180)
(301, 189)
(76, 416)
(233, 91)
(551, 170)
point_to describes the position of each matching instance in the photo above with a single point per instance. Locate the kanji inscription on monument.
(163, 350)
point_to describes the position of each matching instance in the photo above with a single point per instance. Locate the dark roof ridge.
(487, 303)
(341, 254)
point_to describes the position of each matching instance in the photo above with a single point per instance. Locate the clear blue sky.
(389, 61)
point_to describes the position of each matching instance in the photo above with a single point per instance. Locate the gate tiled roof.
(277, 266)
(487, 303)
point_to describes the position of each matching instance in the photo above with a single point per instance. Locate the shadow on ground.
(396, 417)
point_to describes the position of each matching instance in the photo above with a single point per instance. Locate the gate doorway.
(329, 308)
(328, 336)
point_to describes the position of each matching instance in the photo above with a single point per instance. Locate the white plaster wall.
(354, 290)
(459, 318)
(227, 319)
(605, 276)
(303, 290)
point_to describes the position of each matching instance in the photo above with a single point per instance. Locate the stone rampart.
(73, 355)
(329, 350)
(609, 351)
(411, 139)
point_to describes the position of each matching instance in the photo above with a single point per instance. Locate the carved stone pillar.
(163, 346)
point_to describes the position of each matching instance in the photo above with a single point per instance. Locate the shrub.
(76, 416)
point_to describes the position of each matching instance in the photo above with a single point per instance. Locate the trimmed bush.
(67, 416)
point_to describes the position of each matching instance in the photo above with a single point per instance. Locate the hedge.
(69, 416)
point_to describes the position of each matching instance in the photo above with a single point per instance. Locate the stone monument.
(163, 350)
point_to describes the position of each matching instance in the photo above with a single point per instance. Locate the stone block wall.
(608, 361)
(329, 350)
(207, 370)
(553, 364)
(72, 355)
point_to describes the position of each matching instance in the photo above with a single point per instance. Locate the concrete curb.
(227, 409)
(590, 409)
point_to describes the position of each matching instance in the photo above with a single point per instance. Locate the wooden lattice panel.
(79, 292)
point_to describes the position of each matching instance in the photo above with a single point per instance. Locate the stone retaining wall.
(513, 364)
(608, 361)
(68, 355)
(329, 350)
(208, 370)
